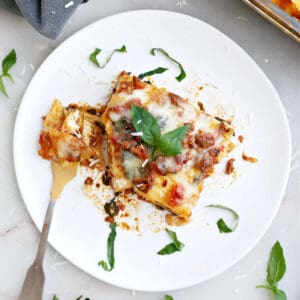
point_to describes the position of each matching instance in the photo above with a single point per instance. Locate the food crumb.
(229, 166)
(241, 138)
(109, 219)
(88, 181)
(120, 205)
(249, 158)
(201, 106)
(125, 215)
(125, 226)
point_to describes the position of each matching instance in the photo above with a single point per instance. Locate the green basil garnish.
(148, 125)
(168, 297)
(158, 70)
(182, 73)
(175, 246)
(93, 56)
(223, 228)
(168, 144)
(275, 271)
(55, 297)
(9, 60)
(110, 249)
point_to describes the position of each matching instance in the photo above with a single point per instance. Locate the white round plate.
(78, 231)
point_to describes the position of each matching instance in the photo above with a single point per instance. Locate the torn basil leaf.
(110, 249)
(175, 246)
(94, 54)
(223, 228)
(182, 73)
(158, 70)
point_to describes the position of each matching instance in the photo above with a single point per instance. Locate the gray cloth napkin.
(48, 17)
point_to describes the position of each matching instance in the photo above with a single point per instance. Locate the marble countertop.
(274, 52)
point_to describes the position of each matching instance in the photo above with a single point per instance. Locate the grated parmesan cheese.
(93, 162)
(145, 163)
(139, 133)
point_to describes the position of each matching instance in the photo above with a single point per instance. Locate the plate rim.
(267, 82)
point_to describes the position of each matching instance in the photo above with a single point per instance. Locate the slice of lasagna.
(73, 134)
(172, 182)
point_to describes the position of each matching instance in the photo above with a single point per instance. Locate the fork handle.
(33, 285)
(44, 235)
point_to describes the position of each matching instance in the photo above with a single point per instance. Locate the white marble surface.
(277, 55)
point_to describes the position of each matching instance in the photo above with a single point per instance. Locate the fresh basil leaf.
(93, 56)
(110, 249)
(169, 249)
(174, 238)
(182, 73)
(55, 297)
(8, 62)
(223, 228)
(168, 297)
(170, 142)
(275, 271)
(172, 247)
(158, 70)
(276, 265)
(2, 87)
(280, 295)
(148, 124)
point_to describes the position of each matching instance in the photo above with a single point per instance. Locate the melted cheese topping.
(177, 190)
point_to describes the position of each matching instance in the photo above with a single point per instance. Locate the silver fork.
(33, 285)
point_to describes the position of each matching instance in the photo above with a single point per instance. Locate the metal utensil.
(33, 285)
